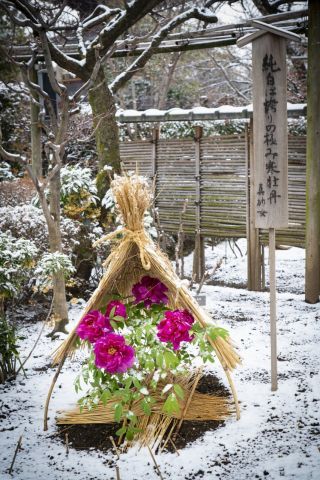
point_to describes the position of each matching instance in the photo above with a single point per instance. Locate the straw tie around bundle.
(138, 237)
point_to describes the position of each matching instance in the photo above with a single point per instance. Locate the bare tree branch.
(200, 14)
(228, 80)
(57, 87)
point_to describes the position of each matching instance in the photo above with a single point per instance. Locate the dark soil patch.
(84, 437)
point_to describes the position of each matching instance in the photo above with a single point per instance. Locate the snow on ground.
(278, 434)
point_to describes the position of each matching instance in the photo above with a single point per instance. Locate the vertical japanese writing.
(267, 194)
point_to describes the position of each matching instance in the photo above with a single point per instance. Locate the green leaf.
(130, 434)
(145, 405)
(171, 405)
(121, 431)
(105, 397)
(114, 325)
(159, 359)
(214, 332)
(136, 383)
(118, 412)
(149, 364)
(128, 383)
(171, 360)
(178, 391)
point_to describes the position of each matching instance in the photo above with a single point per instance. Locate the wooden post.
(270, 155)
(155, 139)
(312, 288)
(199, 256)
(273, 311)
(253, 255)
(35, 128)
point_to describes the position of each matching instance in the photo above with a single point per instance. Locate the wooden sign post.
(270, 148)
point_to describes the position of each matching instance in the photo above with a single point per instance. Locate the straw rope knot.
(139, 237)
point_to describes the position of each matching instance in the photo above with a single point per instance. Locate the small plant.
(9, 354)
(17, 257)
(78, 195)
(6, 172)
(138, 349)
(50, 265)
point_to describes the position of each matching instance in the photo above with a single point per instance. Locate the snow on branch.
(202, 14)
(96, 18)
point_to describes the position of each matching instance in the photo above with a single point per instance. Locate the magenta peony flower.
(113, 354)
(93, 326)
(119, 310)
(175, 327)
(150, 290)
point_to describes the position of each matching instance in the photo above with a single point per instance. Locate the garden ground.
(278, 434)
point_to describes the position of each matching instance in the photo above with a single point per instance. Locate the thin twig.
(155, 463)
(115, 447)
(117, 473)
(15, 454)
(67, 443)
(175, 448)
(194, 386)
(38, 338)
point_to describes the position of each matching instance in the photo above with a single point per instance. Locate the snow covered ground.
(277, 436)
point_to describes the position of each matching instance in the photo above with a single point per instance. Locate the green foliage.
(16, 258)
(78, 193)
(14, 119)
(9, 355)
(50, 265)
(6, 172)
(155, 366)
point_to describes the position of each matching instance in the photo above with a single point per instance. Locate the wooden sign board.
(270, 136)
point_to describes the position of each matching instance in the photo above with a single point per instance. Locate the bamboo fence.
(222, 178)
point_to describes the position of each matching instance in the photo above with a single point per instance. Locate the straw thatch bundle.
(132, 255)
(157, 428)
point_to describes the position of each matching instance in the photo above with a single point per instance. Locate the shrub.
(16, 259)
(50, 265)
(9, 354)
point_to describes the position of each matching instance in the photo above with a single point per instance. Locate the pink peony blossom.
(112, 353)
(175, 327)
(150, 290)
(93, 325)
(118, 307)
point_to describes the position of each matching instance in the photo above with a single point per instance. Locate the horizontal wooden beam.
(199, 114)
(220, 36)
(276, 30)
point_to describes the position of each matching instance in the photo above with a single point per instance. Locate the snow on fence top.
(200, 113)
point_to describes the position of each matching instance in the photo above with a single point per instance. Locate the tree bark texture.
(60, 307)
(106, 130)
(312, 288)
(35, 129)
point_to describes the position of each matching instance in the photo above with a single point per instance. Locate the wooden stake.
(15, 454)
(155, 463)
(273, 311)
(117, 473)
(67, 443)
(175, 448)
(115, 447)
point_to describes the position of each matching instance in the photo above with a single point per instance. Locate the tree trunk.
(312, 288)
(106, 130)
(60, 308)
(35, 130)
